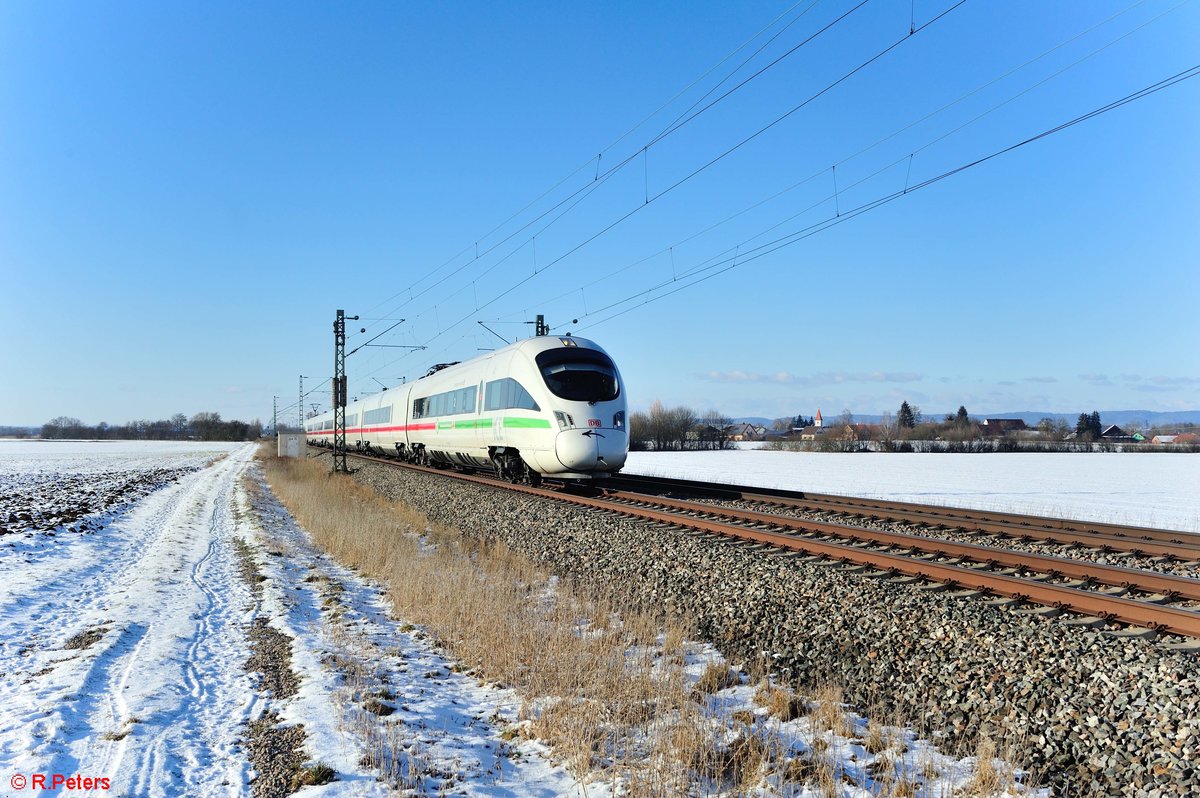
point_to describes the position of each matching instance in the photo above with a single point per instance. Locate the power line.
(680, 121)
(888, 137)
(807, 232)
(691, 175)
(747, 255)
(602, 178)
(726, 153)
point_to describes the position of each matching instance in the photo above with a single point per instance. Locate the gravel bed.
(275, 750)
(1089, 714)
(1177, 568)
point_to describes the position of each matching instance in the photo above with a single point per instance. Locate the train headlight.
(564, 420)
(619, 419)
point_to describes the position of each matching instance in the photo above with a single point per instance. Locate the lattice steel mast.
(339, 392)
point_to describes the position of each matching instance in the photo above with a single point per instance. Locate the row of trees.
(202, 426)
(678, 428)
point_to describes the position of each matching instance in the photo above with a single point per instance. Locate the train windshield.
(579, 375)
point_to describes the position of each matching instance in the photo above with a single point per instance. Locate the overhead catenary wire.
(909, 157)
(599, 156)
(724, 154)
(747, 255)
(825, 224)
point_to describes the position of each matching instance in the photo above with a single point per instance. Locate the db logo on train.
(593, 422)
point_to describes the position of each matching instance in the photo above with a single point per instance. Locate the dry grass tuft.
(830, 712)
(717, 676)
(320, 773)
(987, 779)
(743, 761)
(781, 703)
(877, 740)
(377, 707)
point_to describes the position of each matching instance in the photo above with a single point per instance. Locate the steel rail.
(1169, 585)
(1160, 617)
(1138, 540)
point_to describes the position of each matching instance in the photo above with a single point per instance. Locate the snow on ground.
(444, 734)
(73, 486)
(1145, 489)
(123, 649)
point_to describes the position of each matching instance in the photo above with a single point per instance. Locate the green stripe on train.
(486, 423)
(527, 423)
(474, 423)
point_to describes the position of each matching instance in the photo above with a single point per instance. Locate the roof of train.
(530, 346)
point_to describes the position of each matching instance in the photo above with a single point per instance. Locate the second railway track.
(1150, 602)
(1184, 546)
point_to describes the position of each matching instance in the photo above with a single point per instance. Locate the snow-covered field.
(123, 648)
(124, 645)
(1155, 490)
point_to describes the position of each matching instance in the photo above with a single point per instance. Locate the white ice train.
(548, 405)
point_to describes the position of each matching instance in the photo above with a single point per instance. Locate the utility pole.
(300, 406)
(275, 416)
(339, 392)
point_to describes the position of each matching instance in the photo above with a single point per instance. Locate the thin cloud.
(1174, 382)
(1041, 379)
(1135, 382)
(812, 380)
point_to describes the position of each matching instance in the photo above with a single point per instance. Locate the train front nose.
(593, 449)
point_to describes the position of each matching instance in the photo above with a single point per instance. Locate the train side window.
(450, 403)
(380, 415)
(507, 393)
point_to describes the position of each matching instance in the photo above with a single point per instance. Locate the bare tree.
(715, 430)
(680, 421)
(887, 430)
(640, 432)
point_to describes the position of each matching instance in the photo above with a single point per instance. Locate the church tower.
(817, 419)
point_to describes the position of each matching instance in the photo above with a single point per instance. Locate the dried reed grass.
(606, 689)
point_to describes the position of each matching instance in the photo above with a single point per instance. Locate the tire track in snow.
(195, 749)
(43, 603)
(119, 714)
(190, 674)
(89, 566)
(174, 662)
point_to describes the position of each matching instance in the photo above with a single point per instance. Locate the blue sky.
(188, 192)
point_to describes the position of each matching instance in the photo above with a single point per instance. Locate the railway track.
(1146, 602)
(1146, 541)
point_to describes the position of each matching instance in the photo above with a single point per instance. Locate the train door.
(482, 433)
(493, 434)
